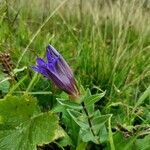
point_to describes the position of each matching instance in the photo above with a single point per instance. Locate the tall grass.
(106, 42)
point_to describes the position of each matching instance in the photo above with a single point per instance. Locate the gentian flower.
(57, 70)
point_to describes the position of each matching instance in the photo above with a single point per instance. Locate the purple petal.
(44, 71)
(60, 79)
(53, 56)
(64, 68)
(51, 53)
(40, 62)
(51, 67)
(49, 56)
(35, 68)
(41, 70)
(62, 82)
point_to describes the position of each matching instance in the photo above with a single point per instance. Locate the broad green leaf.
(21, 120)
(15, 110)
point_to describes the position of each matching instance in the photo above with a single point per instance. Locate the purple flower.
(57, 70)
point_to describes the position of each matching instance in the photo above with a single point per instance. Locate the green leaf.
(87, 136)
(122, 143)
(90, 100)
(15, 110)
(82, 146)
(65, 141)
(69, 104)
(98, 125)
(142, 97)
(4, 83)
(98, 122)
(143, 144)
(71, 127)
(22, 120)
(79, 118)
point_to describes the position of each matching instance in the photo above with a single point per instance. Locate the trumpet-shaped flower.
(57, 70)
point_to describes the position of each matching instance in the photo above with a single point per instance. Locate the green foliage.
(129, 143)
(107, 51)
(143, 144)
(122, 143)
(91, 124)
(4, 83)
(145, 95)
(21, 119)
(91, 99)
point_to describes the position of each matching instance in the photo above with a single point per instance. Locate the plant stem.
(89, 121)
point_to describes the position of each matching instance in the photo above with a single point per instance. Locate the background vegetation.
(107, 45)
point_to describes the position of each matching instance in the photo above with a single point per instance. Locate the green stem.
(89, 121)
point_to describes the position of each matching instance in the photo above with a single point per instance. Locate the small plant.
(81, 110)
